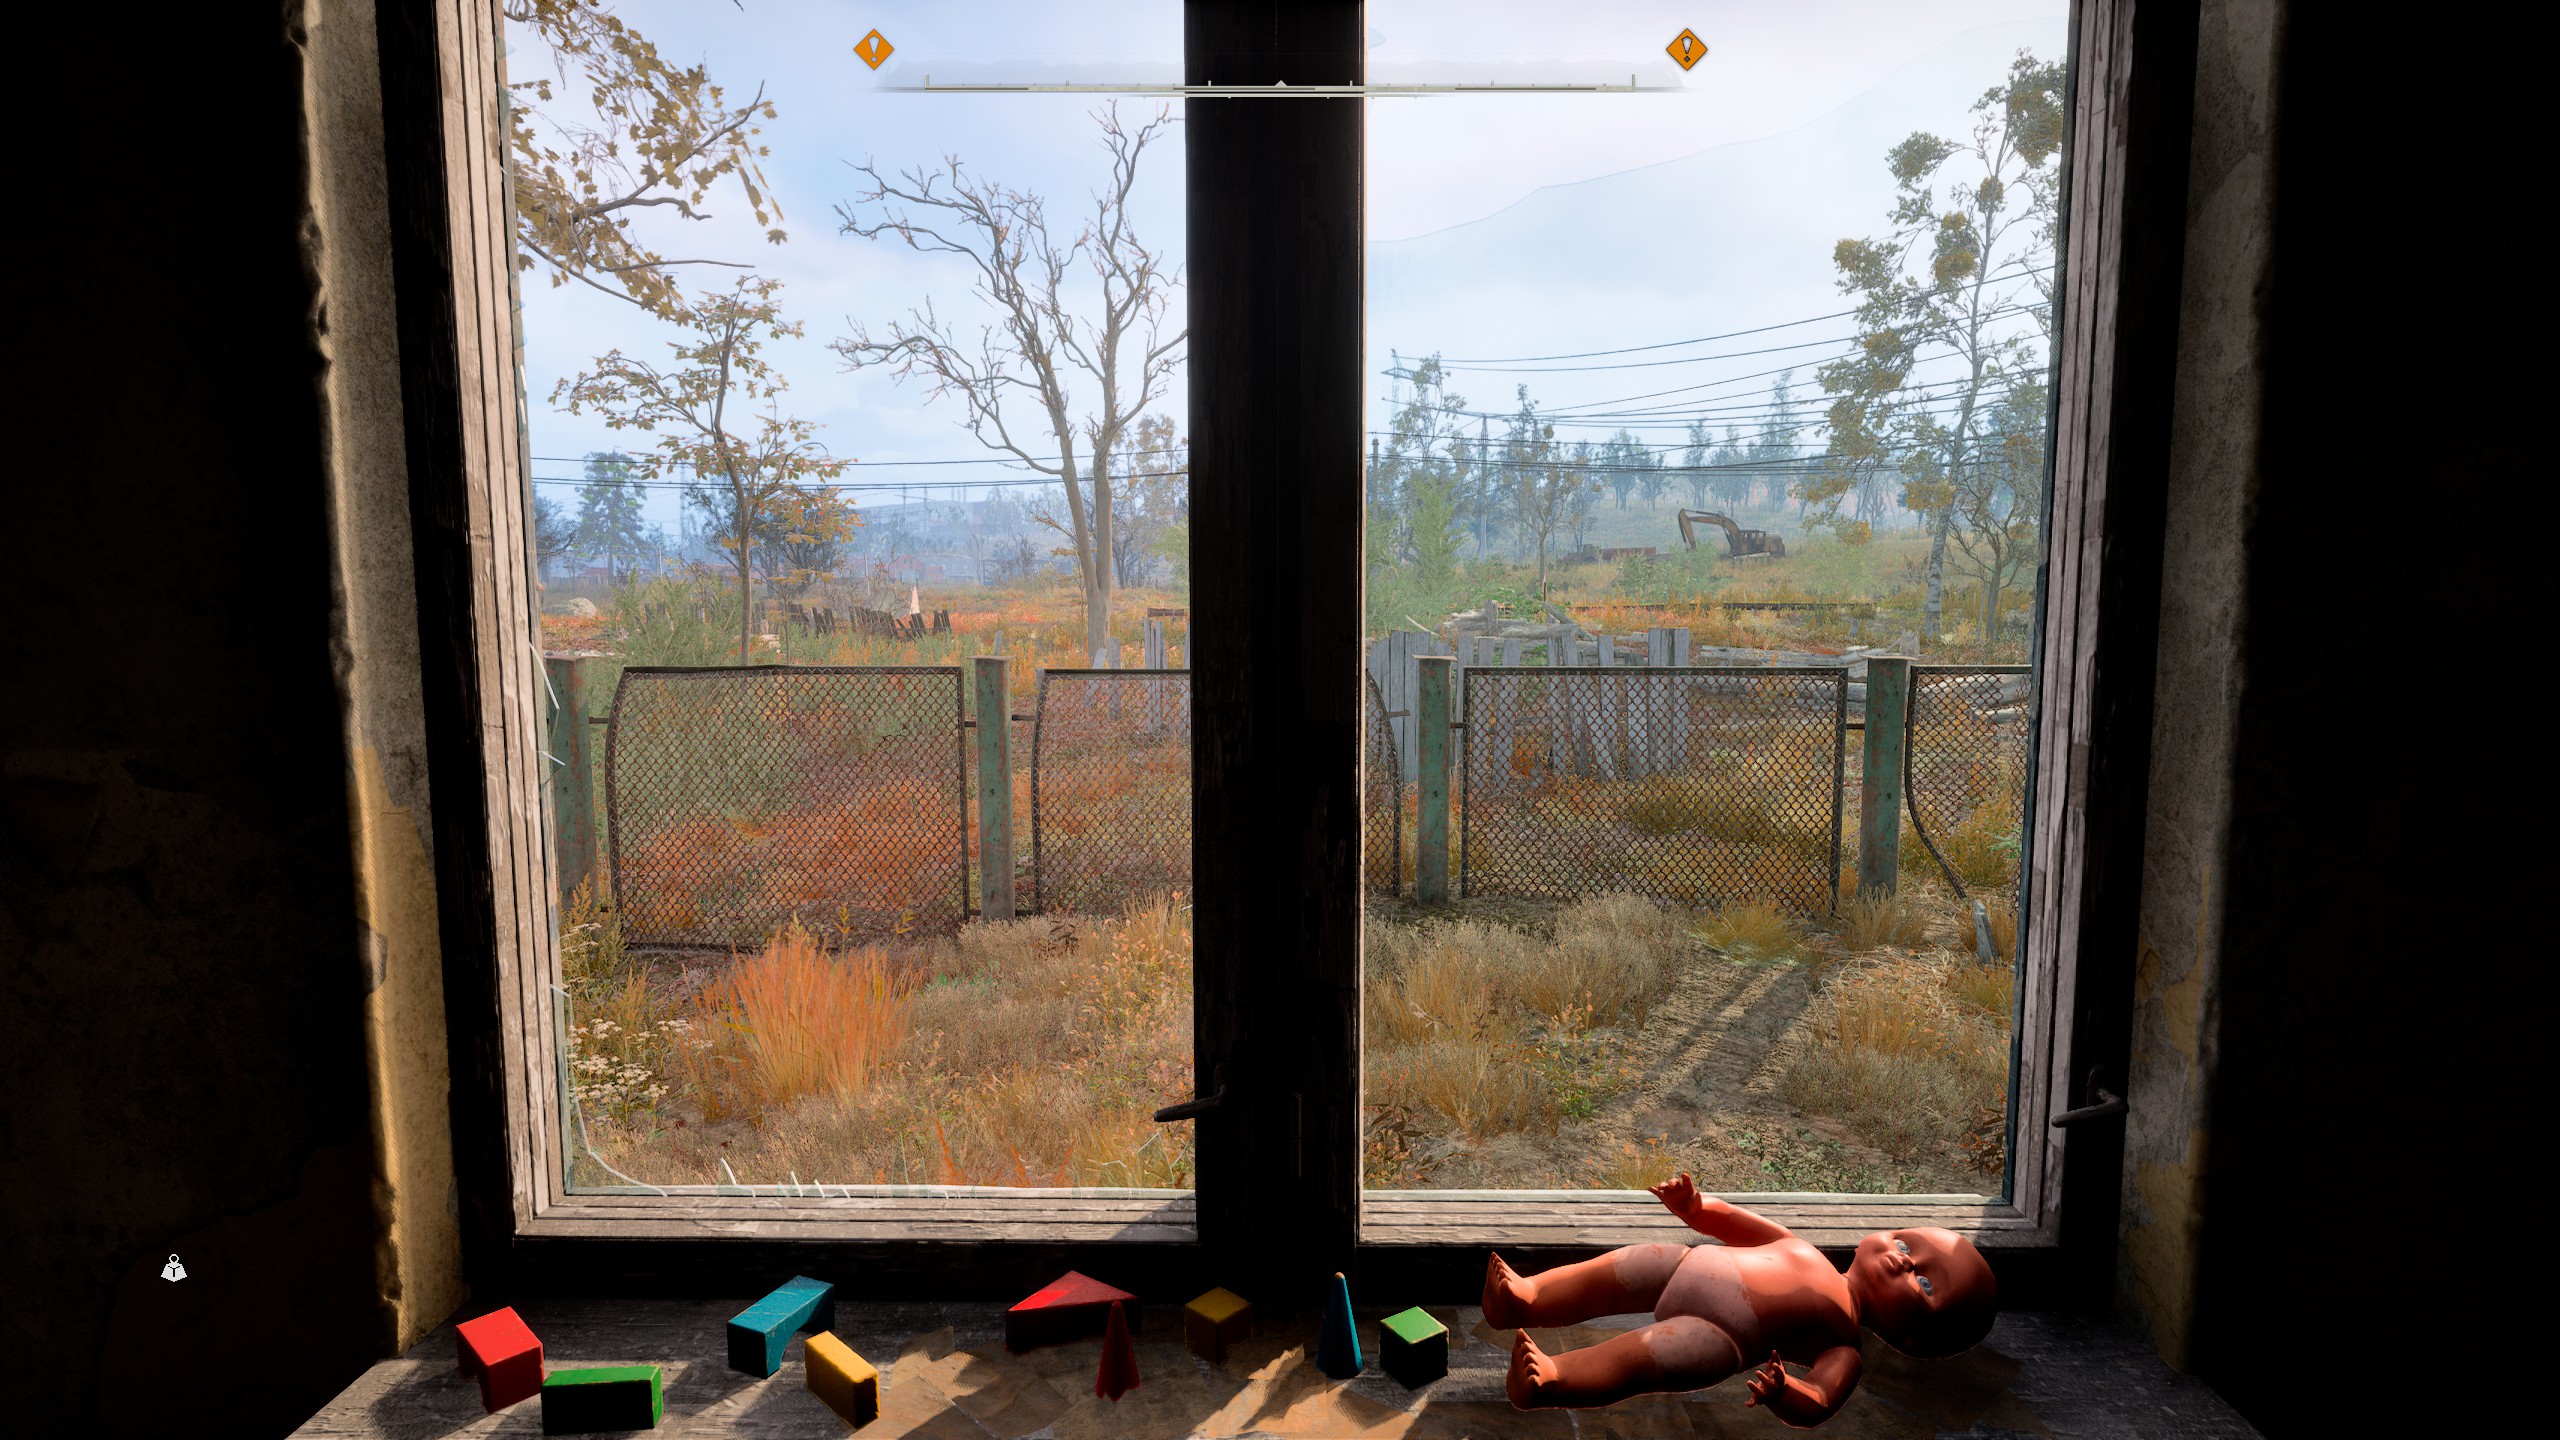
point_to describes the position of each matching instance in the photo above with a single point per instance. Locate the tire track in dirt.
(1708, 1045)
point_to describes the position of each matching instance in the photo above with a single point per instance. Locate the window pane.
(849, 361)
(1695, 388)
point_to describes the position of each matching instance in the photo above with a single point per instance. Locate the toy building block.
(607, 1397)
(1215, 1321)
(1072, 1307)
(503, 1354)
(848, 1384)
(1413, 1347)
(1338, 1350)
(759, 1333)
(1118, 1373)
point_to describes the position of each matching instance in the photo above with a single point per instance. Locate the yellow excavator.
(1741, 544)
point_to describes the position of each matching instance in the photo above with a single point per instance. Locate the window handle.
(1192, 1109)
(2110, 1104)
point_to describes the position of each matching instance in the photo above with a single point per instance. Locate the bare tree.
(1037, 341)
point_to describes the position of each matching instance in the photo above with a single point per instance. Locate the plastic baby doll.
(1928, 1293)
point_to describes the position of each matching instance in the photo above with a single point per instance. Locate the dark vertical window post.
(1275, 293)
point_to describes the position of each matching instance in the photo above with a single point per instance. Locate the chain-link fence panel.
(743, 799)
(1702, 786)
(1382, 792)
(1966, 772)
(1110, 788)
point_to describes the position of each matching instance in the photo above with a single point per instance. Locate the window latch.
(2109, 1104)
(1192, 1109)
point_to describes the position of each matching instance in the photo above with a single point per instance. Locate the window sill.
(946, 1213)
(1582, 1218)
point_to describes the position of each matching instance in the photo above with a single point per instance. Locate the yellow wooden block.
(1215, 1321)
(847, 1384)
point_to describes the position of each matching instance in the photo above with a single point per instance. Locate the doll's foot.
(1506, 1295)
(1533, 1376)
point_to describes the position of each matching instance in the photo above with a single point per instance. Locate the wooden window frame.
(1276, 295)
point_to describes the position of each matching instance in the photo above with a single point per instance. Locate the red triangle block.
(1118, 1374)
(1072, 1307)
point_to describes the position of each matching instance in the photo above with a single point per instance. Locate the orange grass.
(791, 1022)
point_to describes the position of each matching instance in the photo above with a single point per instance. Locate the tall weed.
(791, 1022)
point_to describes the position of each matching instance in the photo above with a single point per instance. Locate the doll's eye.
(1925, 1287)
(1902, 1245)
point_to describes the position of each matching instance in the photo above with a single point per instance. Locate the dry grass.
(1480, 1090)
(1739, 813)
(1901, 1051)
(1983, 850)
(1477, 1031)
(1633, 1165)
(1029, 1053)
(2003, 915)
(791, 1022)
(1991, 989)
(1870, 920)
(1752, 929)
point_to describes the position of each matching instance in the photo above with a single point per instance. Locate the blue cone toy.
(1338, 1353)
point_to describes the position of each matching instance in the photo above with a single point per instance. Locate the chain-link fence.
(1382, 792)
(1966, 772)
(1695, 785)
(1110, 788)
(743, 799)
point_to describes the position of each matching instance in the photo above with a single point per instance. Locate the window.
(576, 1118)
(1704, 368)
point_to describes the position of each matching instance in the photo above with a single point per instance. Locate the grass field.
(1601, 1044)
(1746, 1031)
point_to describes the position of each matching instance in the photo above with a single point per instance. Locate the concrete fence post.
(995, 787)
(573, 779)
(1432, 676)
(1880, 781)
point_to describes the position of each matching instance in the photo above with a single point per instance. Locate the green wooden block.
(605, 1397)
(1413, 1347)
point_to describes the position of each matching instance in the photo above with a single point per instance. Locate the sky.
(1500, 226)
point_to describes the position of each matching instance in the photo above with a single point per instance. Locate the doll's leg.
(1681, 1353)
(1627, 1281)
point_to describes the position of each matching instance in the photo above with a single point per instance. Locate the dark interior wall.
(2369, 1123)
(181, 1054)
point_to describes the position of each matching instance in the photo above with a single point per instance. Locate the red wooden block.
(1070, 1307)
(503, 1354)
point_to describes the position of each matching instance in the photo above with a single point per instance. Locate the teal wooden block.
(605, 1397)
(759, 1333)
(1413, 1347)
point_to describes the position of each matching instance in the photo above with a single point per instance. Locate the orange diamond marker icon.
(1687, 48)
(875, 48)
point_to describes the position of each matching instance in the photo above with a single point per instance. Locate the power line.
(641, 457)
(1705, 339)
(609, 482)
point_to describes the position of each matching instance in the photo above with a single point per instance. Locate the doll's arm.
(1809, 1399)
(1714, 1218)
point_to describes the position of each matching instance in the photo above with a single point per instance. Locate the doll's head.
(1926, 1292)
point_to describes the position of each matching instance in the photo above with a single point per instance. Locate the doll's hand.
(1679, 1194)
(1770, 1379)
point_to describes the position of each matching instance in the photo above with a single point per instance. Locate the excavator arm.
(1689, 520)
